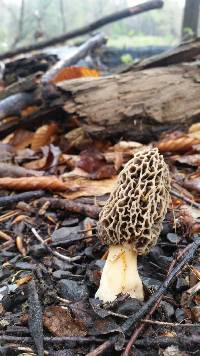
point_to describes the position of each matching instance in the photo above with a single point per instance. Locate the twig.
(131, 11)
(173, 325)
(35, 317)
(164, 341)
(72, 206)
(100, 349)
(80, 53)
(11, 199)
(185, 199)
(57, 254)
(51, 340)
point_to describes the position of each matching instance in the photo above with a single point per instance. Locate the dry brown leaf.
(4, 236)
(73, 73)
(24, 280)
(33, 183)
(36, 164)
(181, 144)
(191, 160)
(76, 138)
(43, 136)
(20, 218)
(11, 170)
(8, 215)
(59, 322)
(20, 245)
(84, 187)
(194, 131)
(29, 110)
(21, 139)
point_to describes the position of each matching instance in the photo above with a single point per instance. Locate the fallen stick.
(13, 104)
(52, 340)
(11, 170)
(80, 53)
(72, 206)
(164, 341)
(54, 253)
(131, 11)
(26, 196)
(185, 199)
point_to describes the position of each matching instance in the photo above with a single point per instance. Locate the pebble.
(72, 290)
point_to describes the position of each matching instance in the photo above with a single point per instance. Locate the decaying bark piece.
(135, 105)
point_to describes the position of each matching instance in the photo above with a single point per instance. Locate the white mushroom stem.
(120, 274)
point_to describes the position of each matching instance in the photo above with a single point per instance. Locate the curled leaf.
(33, 183)
(43, 136)
(73, 73)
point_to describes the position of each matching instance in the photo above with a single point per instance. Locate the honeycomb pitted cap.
(137, 206)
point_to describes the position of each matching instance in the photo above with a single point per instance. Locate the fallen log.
(134, 105)
(185, 52)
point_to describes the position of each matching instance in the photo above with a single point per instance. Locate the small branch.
(171, 325)
(80, 53)
(185, 199)
(49, 249)
(72, 206)
(131, 11)
(51, 340)
(164, 341)
(11, 199)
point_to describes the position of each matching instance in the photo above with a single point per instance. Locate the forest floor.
(54, 181)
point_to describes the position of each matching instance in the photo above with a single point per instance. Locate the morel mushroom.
(131, 221)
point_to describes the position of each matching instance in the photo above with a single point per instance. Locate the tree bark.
(136, 105)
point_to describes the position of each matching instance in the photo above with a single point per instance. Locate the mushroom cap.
(137, 206)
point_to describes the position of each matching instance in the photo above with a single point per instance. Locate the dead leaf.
(24, 280)
(11, 170)
(77, 139)
(84, 187)
(20, 245)
(33, 183)
(191, 160)
(179, 144)
(21, 139)
(29, 110)
(59, 321)
(73, 73)
(43, 135)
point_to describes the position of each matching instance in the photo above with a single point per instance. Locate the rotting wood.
(185, 52)
(134, 105)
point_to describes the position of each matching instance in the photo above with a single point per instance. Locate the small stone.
(72, 290)
(129, 306)
(65, 233)
(70, 222)
(151, 284)
(168, 309)
(180, 315)
(173, 238)
(182, 284)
